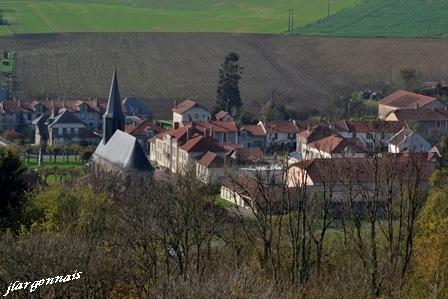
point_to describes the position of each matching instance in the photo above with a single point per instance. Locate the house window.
(69, 130)
(196, 116)
(243, 135)
(76, 130)
(438, 124)
(60, 131)
(224, 137)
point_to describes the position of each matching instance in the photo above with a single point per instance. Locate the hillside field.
(306, 72)
(259, 16)
(386, 18)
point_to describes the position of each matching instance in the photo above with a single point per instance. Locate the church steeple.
(113, 118)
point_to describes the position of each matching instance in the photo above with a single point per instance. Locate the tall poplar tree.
(228, 93)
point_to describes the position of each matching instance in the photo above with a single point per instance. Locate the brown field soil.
(163, 67)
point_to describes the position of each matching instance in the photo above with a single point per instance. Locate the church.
(118, 151)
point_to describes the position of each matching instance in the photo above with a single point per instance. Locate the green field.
(262, 16)
(386, 18)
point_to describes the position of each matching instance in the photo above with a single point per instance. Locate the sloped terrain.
(163, 67)
(386, 18)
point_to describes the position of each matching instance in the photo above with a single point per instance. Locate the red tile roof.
(368, 126)
(140, 130)
(185, 106)
(221, 114)
(211, 160)
(316, 133)
(217, 126)
(335, 145)
(201, 144)
(253, 154)
(254, 130)
(406, 100)
(419, 115)
(179, 134)
(362, 170)
(281, 127)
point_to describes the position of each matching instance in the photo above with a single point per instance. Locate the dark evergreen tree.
(228, 93)
(12, 187)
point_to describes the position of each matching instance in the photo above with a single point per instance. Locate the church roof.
(114, 104)
(123, 151)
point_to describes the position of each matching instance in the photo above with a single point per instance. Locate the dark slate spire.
(113, 118)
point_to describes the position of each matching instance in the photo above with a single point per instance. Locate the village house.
(62, 128)
(19, 115)
(143, 132)
(223, 116)
(431, 123)
(372, 135)
(133, 106)
(403, 99)
(281, 134)
(223, 132)
(245, 156)
(179, 148)
(210, 168)
(352, 182)
(408, 140)
(255, 196)
(332, 146)
(312, 135)
(189, 111)
(434, 88)
(252, 136)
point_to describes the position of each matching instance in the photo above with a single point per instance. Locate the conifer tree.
(228, 93)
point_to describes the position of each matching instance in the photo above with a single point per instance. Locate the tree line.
(168, 237)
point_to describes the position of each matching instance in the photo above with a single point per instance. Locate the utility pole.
(328, 9)
(290, 20)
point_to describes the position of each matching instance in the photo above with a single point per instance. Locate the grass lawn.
(223, 203)
(261, 16)
(60, 162)
(389, 18)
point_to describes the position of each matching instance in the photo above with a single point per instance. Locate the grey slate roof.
(123, 151)
(40, 124)
(134, 106)
(401, 136)
(66, 118)
(114, 102)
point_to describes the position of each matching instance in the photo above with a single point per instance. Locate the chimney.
(54, 111)
(176, 125)
(211, 131)
(52, 103)
(175, 104)
(190, 131)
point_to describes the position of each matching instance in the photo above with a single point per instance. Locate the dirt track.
(163, 67)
